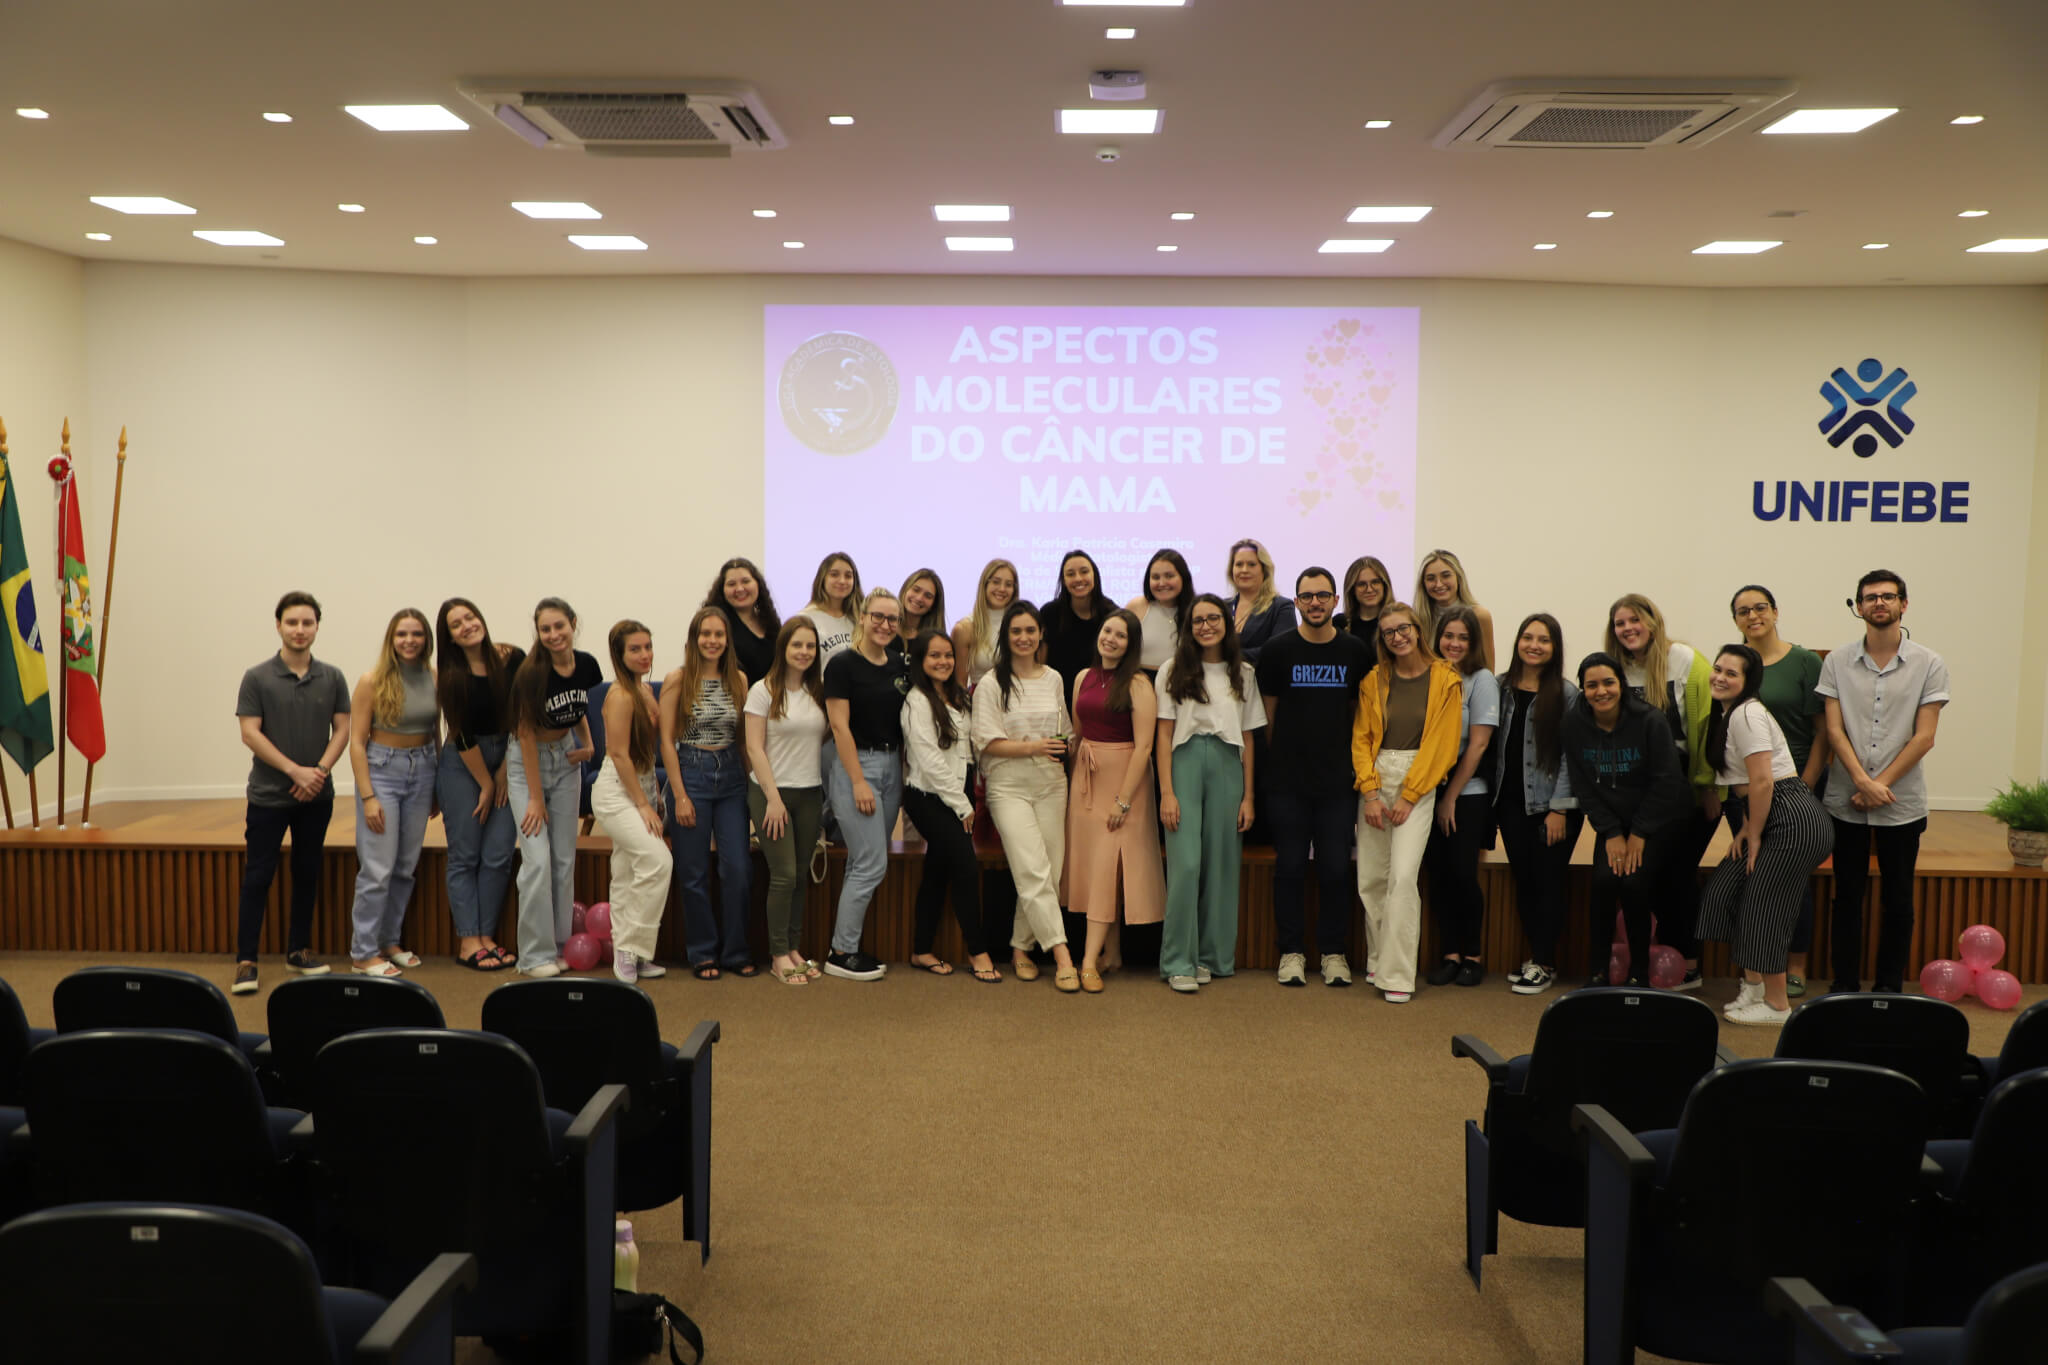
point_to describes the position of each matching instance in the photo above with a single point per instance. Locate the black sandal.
(939, 968)
(482, 960)
(745, 969)
(705, 971)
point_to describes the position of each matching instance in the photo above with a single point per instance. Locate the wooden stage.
(163, 876)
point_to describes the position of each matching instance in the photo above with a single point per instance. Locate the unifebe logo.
(1893, 425)
(838, 393)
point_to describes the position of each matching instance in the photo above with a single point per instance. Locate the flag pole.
(107, 605)
(64, 693)
(6, 797)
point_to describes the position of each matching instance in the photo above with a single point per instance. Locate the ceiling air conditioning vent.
(1610, 115)
(631, 118)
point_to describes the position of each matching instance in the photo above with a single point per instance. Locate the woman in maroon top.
(1112, 822)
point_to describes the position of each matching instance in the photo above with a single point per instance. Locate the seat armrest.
(1823, 1333)
(603, 1109)
(1932, 1176)
(302, 1134)
(1725, 1055)
(419, 1324)
(1492, 1063)
(260, 1054)
(1603, 1132)
(698, 1043)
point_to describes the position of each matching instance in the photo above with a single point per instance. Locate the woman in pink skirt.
(1112, 819)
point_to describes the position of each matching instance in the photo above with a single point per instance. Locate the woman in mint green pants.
(1208, 703)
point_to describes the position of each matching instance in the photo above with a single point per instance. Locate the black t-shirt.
(874, 696)
(1070, 645)
(484, 710)
(755, 653)
(1316, 687)
(568, 699)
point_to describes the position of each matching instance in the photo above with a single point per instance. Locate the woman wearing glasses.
(1208, 706)
(1403, 744)
(864, 691)
(1365, 593)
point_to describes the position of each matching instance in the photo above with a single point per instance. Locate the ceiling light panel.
(840, 120)
(274, 117)
(1127, 121)
(1601, 213)
(237, 237)
(555, 208)
(607, 242)
(99, 236)
(764, 213)
(1119, 34)
(1973, 213)
(1966, 119)
(1877, 246)
(1544, 246)
(1829, 120)
(794, 246)
(2013, 244)
(1182, 217)
(1349, 245)
(1166, 246)
(1413, 213)
(1378, 123)
(425, 241)
(33, 113)
(981, 244)
(971, 213)
(407, 118)
(350, 208)
(1124, 4)
(1733, 248)
(140, 203)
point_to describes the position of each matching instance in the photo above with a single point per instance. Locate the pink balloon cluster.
(590, 936)
(1980, 947)
(1667, 967)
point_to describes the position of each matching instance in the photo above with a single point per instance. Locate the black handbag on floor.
(642, 1324)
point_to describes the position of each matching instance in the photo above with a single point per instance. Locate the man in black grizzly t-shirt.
(1309, 680)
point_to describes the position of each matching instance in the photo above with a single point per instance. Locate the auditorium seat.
(16, 1038)
(432, 1140)
(189, 1284)
(1992, 1217)
(1916, 1035)
(586, 1034)
(2025, 1047)
(147, 997)
(1637, 1053)
(309, 1012)
(1777, 1167)
(2006, 1326)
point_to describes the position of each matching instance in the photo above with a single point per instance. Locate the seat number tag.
(430, 1049)
(142, 1234)
(1817, 1082)
(132, 985)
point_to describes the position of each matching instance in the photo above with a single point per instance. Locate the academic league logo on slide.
(1879, 400)
(838, 393)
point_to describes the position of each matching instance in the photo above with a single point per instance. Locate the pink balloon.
(1944, 980)
(1617, 964)
(2000, 990)
(1667, 967)
(576, 914)
(597, 921)
(582, 952)
(1980, 946)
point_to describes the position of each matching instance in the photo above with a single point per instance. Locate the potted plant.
(2023, 810)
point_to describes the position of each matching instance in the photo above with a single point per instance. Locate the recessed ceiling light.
(602, 242)
(1973, 213)
(274, 117)
(1601, 213)
(1126, 4)
(2013, 244)
(1544, 246)
(971, 213)
(555, 208)
(1109, 120)
(794, 246)
(1829, 120)
(980, 244)
(840, 120)
(33, 113)
(1876, 246)
(1379, 123)
(350, 208)
(407, 118)
(140, 203)
(1967, 118)
(425, 241)
(764, 213)
(1413, 213)
(1337, 245)
(238, 237)
(1182, 217)
(1733, 248)
(99, 236)
(1166, 246)
(1119, 34)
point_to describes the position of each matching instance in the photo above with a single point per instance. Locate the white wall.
(389, 441)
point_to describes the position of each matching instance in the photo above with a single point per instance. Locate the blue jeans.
(715, 780)
(403, 782)
(867, 839)
(479, 852)
(547, 860)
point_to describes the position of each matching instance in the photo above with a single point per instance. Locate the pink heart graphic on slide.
(1390, 497)
(1327, 460)
(1380, 392)
(1347, 448)
(1361, 474)
(1344, 424)
(1322, 394)
(1310, 476)
(1349, 327)
(1309, 498)
(1334, 354)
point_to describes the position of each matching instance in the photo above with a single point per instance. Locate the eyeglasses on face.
(1321, 595)
(885, 618)
(1760, 609)
(1872, 599)
(1214, 622)
(1398, 632)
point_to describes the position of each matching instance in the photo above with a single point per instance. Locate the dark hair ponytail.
(1717, 723)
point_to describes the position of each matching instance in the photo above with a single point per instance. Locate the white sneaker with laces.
(1748, 993)
(1293, 969)
(1515, 976)
(1534, 979)
(543, 970)
(1758, 1012)
(649, 968)
(1203, 976)
(625, 966)
(1336, 970)
(1186, 985)
(1397, 997)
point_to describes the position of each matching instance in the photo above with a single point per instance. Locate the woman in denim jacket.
(1534, 808)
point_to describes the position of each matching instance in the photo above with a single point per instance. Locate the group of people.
(1121, 756)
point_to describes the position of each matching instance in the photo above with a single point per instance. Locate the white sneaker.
(1515, 976)
(1397, 997)
(1336, 971)
(1186, 985)
(1758, 1012)
(1293, 969)
(1747, 993)
(1203, 976)
(625, 966)
(543, 970)
(649, 968)
(1533, 979)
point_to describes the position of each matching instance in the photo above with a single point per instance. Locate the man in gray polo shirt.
(1883, 695)
(294, 715)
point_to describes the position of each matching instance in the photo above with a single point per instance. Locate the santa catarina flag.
(25, 731)
(83, 725)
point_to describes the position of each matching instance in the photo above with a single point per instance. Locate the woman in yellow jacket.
(1403, 744)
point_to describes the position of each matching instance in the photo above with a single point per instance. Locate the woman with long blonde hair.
(707, 782)
(864, 691)
(977, 636)
(1441, 584)
(1258, 611)
(628, 805)
(391, 747)
(923, 597)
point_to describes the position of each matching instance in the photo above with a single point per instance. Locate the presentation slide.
(946, 436)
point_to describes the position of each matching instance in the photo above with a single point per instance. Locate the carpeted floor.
(926, 1169)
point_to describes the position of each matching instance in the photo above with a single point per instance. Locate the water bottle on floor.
(625, 1258)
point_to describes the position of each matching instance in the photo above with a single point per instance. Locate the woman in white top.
(705, 755)
(1208, 705)
(1754, 895)
(978, 636)
(835, 598)
(938, 746)
(1162, 609)
(629, 807)
(1020, 732)
(786, 794)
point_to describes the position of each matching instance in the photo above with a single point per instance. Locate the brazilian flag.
(25, 731)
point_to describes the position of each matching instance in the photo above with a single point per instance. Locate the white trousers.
(1030, 811)
(1389, 865)
(641, 863)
